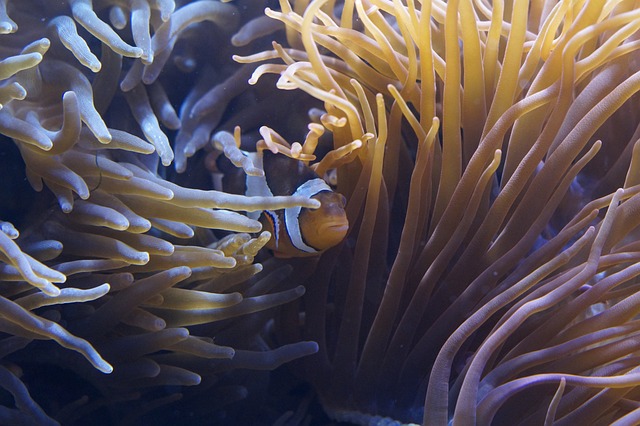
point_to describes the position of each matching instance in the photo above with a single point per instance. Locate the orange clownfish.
(297, 231)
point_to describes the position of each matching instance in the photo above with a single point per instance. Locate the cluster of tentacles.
(490, 276)
(488, 152)
(114, 276)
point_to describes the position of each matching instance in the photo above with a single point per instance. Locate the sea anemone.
(103, 252)
(489, 276)
(487, 152)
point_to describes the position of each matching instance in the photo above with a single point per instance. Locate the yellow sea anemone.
(492, 185)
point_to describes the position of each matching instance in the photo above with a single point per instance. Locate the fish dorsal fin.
(257, 185)
(284, 175)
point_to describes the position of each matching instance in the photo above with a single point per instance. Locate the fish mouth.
(335, 228)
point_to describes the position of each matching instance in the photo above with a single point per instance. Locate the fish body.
(297, 231)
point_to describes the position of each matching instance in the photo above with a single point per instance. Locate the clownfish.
(296, 231)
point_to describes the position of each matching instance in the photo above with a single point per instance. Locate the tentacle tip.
(159, 324)
(147, 59)
(8, 27)
(105, 367)
(181, 272)
(46, 145)
(313, 347)
(149, 79)
(136, 52)
(238, 41)
(51, 290)
(104, 139)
